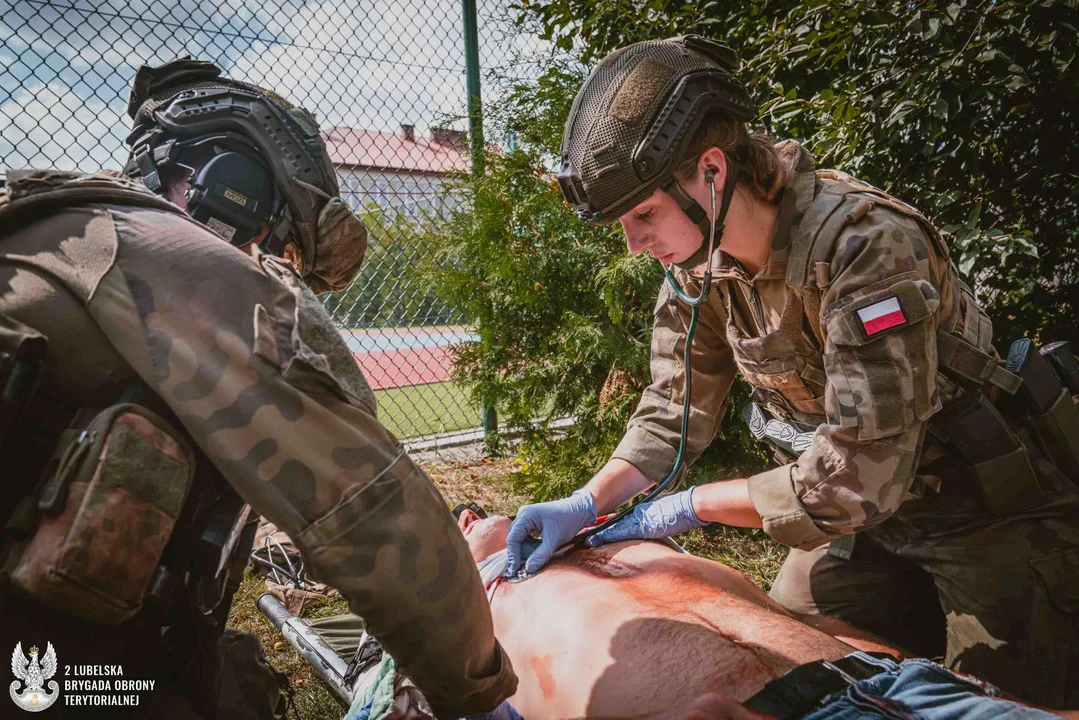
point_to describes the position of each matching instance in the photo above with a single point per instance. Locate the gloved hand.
(556, 522)
(670, 515)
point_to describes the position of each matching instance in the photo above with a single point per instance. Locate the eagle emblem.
(33, 675)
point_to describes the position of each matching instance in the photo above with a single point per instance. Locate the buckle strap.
(801, 690)
(971, 363)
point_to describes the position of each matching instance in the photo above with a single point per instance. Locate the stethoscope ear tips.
(709, 175)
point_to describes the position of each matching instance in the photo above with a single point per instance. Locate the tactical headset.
(260, 161)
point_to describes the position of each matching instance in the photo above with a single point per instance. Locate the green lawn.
(426, 409)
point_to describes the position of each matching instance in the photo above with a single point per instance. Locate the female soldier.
(840, 307)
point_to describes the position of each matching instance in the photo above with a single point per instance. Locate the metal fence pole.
(475, 135)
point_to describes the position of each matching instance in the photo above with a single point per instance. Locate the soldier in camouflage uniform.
(177, 382)
(838, 304)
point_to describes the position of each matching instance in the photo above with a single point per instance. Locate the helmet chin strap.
(711, 227)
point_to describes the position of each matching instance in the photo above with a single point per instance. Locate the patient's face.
(485, 536)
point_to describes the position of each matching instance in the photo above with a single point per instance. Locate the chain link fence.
(387, 81)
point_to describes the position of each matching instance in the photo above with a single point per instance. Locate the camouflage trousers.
(996, 595)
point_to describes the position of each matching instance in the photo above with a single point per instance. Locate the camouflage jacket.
(862, 396)
(247, 359)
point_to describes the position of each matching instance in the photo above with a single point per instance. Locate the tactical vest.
(1002, 421)
(113, 516)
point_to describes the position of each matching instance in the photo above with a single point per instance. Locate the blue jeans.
(923, 690)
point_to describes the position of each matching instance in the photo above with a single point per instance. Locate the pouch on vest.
(992, 450)
(22, 355)
(107, 511)
(1049, 405)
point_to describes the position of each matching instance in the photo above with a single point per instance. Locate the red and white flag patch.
(882, 315)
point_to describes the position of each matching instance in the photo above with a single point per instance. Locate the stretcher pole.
(319, 655)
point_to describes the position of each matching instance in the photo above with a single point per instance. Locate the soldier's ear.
(713, 160)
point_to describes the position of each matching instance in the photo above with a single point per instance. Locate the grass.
(426, 409)
(488, 483)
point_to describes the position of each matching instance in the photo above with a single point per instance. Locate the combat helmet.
(261, 162)
(633, 119)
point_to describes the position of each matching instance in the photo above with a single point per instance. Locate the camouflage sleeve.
(253, 367)
(880, 356)
(651, 441)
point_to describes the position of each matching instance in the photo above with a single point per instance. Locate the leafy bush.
(967, 111)
(564, 314)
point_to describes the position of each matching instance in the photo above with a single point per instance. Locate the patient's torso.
(636, 627)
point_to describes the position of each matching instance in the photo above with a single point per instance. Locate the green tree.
(965, 110)
(564, 314)
(394, 286)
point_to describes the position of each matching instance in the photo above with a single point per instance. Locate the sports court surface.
(399, 357)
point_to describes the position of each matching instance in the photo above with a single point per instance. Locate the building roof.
(442, 152)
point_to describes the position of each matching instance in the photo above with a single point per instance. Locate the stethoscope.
(694, 304)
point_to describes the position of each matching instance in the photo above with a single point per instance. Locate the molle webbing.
(841, 201)
(809, 232)
(971, 363)
(28, 194)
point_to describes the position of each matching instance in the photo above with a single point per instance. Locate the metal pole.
(475, 136)
(472, 78)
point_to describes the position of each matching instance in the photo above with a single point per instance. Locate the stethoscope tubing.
(694, 304)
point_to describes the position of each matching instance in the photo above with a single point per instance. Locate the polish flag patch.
(882, 315)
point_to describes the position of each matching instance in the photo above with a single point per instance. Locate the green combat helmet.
(633, 119)
(260, 162)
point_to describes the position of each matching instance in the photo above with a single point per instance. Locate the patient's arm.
(855, 637)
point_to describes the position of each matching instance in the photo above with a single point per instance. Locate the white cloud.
(49, 125)
(373, 64)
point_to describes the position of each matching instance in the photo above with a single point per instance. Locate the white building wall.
(416, 195)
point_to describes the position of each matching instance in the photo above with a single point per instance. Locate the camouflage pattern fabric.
(866, 397)
(996, 596)
(246, 358)
(96, 557)
(865, 400)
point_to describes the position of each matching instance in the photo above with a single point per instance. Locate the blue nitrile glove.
(670, 515)
(505, 711)
(556, 522)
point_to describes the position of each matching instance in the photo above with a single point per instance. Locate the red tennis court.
(394, 357)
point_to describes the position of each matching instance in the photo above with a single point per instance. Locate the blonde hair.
(762, 172)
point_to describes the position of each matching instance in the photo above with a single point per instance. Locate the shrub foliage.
(966, 110)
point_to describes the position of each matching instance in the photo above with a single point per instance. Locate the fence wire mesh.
(386, 79)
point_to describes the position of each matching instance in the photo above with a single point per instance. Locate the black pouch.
(1058, 432)
(986, 443)
(107, 510)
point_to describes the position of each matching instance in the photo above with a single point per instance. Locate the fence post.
(475, 136)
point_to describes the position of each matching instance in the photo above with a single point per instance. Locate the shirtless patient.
(635, 627)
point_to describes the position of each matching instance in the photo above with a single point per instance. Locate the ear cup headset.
(627, 133)
(234, 196)
(231, 191)
(259, 160)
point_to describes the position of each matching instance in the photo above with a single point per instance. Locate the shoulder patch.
(882, 315)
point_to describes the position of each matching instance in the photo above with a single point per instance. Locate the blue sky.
(66, 65)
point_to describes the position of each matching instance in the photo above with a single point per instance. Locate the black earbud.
(709, 176)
